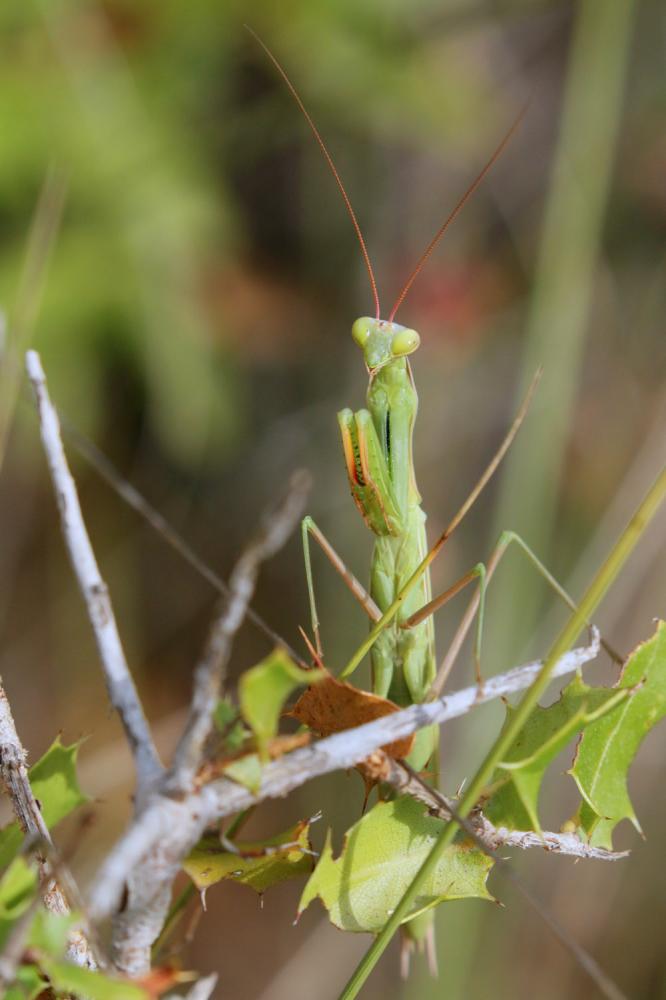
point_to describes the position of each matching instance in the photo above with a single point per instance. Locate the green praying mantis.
(377, 445)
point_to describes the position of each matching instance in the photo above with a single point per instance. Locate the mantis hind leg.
(484, 572)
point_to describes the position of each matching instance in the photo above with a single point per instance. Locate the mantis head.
(382, 341)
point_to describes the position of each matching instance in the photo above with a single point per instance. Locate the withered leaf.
(331, 706)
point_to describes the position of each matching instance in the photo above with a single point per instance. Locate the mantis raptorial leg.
(308, 527)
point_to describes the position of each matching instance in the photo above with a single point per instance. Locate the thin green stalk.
(43, 231)
(594, 594)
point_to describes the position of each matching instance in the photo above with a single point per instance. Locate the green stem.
(595, 592)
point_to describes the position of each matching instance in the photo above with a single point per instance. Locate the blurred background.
(193, 319)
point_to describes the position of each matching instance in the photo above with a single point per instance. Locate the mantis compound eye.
(361, 330)
(404, 342)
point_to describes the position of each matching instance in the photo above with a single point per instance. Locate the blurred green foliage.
(139, 106)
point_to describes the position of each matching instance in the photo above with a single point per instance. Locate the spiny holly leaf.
(28, 985)
(54, 781)
(379, 859)
(609, 745)
(92, 985)
(259, 865)
(263, 689)
(56, 788)
(596, 830)
(545, 734)
(331, 706)
(17, 889)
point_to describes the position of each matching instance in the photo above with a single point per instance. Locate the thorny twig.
(121, 688)
(14, 777)
(490, 837)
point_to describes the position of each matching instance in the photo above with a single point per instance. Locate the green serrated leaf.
(609, 745)
(548, 730)
(592, 828)
(54, 783)
(263, 689)
(380, 856)
(29, 983)
(209, 863)
(92, 985)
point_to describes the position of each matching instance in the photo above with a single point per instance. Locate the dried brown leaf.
(331, 706)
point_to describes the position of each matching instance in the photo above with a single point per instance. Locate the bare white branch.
(14, 777)
(172, 827)
(276, 527)
(556, 843)
(120, 685)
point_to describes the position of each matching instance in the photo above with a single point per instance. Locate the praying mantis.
(377, 446)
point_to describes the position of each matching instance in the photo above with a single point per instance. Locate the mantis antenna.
(447, 222)
(329, 161)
